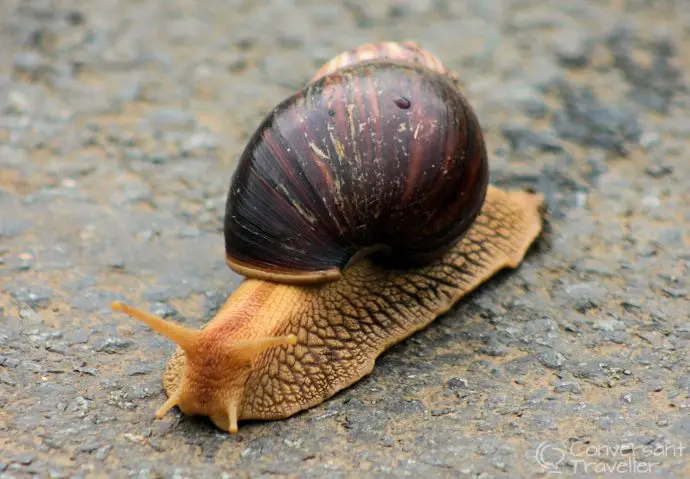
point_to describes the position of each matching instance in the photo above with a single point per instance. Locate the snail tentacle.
(186, 338)
(168, 405)
(232, 416)
(248, 349)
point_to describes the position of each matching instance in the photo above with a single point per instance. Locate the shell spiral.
(382, 156)
(405, 51)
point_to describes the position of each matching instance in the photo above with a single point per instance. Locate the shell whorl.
(407, 51)
(381, 155)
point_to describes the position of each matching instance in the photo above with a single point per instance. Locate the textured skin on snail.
(322, 182)
(377, 154)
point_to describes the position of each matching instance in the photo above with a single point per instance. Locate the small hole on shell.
(403, 102)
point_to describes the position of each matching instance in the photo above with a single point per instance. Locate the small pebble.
(33, 296)
(573, 48)
(551, 359)
(583, 296)
(674, 292)
(457, 383)
(163, 310)
(102, 452)
(6, 379)
(25, 459)
(112, 345)
(139, 369)
(649, 139)
(522, 139)
(28, 62)
(568, 388)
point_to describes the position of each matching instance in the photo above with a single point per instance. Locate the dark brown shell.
(379, 154)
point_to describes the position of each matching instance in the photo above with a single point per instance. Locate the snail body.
(359, 212)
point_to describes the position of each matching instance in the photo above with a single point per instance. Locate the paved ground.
(121, 122)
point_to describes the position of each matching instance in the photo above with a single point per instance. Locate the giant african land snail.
(359, 212)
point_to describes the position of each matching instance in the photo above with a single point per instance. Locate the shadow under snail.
(360, 211)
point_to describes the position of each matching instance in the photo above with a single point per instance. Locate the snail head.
(216, 369)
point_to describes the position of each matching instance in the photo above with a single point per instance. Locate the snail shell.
(378, 155)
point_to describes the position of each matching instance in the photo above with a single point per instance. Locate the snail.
(360, 211)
